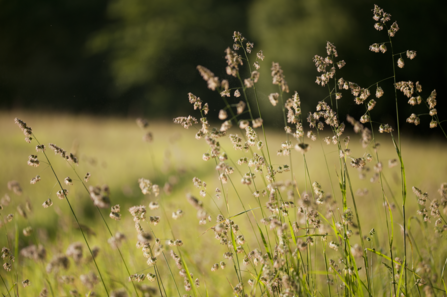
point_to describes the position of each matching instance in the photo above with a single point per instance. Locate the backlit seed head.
(27, 231)
(413, 119)
(302, 147)
(47, 203)
(379, 92)
(433, 124)
(154, 220)
(341, 64)
(248, 82)
(148, 137)
(348, 233)
(333, 245)
(62, 193)
(143, 123)
(374, 47)
(222, 265)
(274, 98)
(68, 181)
(33, 161)
(35, 179)
(392, 163)
(153, 205)
(240, 239)
(146, 186)
(400, 63)
(115, 216)
(9, 217)
(411, 54)
(257, 123)
(151, 261)
(194, 201)
(72, 158)
(144, 237)
(151, 277)
(385, 128)
(178, 214)
(228, 255)
(215, 267)
(378, 26)
(116, 208)
(413, 101)
(371, 104)
(418, 87)
(365, 118)
(22, 125)
(7, 266)
(87, 177)
(222, 114)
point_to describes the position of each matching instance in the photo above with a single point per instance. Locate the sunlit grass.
(113, 152)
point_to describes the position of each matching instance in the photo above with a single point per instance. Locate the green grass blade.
(310, 235)
(391, 220)
(292, 233)
(265, 244)
(442, 275)
(343, 280)
(241, 213)
(381, 255)
(257, 278)
(402, 268)
(189, 276)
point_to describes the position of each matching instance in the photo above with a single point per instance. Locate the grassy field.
(113, 152)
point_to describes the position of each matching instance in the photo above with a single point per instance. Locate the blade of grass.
(265, 244)
(442, 275)
(185, 266)
(400, 276)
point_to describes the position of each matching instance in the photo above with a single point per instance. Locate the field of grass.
(128, 207)
(113, 151)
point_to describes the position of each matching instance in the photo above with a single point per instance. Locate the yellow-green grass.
(113, 151)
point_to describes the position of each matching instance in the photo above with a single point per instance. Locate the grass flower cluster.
(260, 219)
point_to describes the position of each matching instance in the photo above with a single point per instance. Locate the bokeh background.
(137, 58)
(80, 72)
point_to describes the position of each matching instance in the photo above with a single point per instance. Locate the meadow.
(113, 151)
(329, 206)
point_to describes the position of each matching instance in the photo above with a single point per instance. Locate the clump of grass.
(277, 228)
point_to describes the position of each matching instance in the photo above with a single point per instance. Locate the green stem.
(108, 228)
(390, 242)
(6, 287)
(76, 218)
(399, 151)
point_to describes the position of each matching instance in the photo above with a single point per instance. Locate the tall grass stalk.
(107, 226)
(275, 246)
(74, 215)
(398, 147)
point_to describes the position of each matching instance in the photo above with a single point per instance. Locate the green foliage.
(292, 32)
(154, 45)
(139, 57)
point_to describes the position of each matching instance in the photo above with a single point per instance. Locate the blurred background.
(138, 58)
(80, 72)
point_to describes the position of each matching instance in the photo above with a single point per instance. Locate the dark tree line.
(138, 57)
